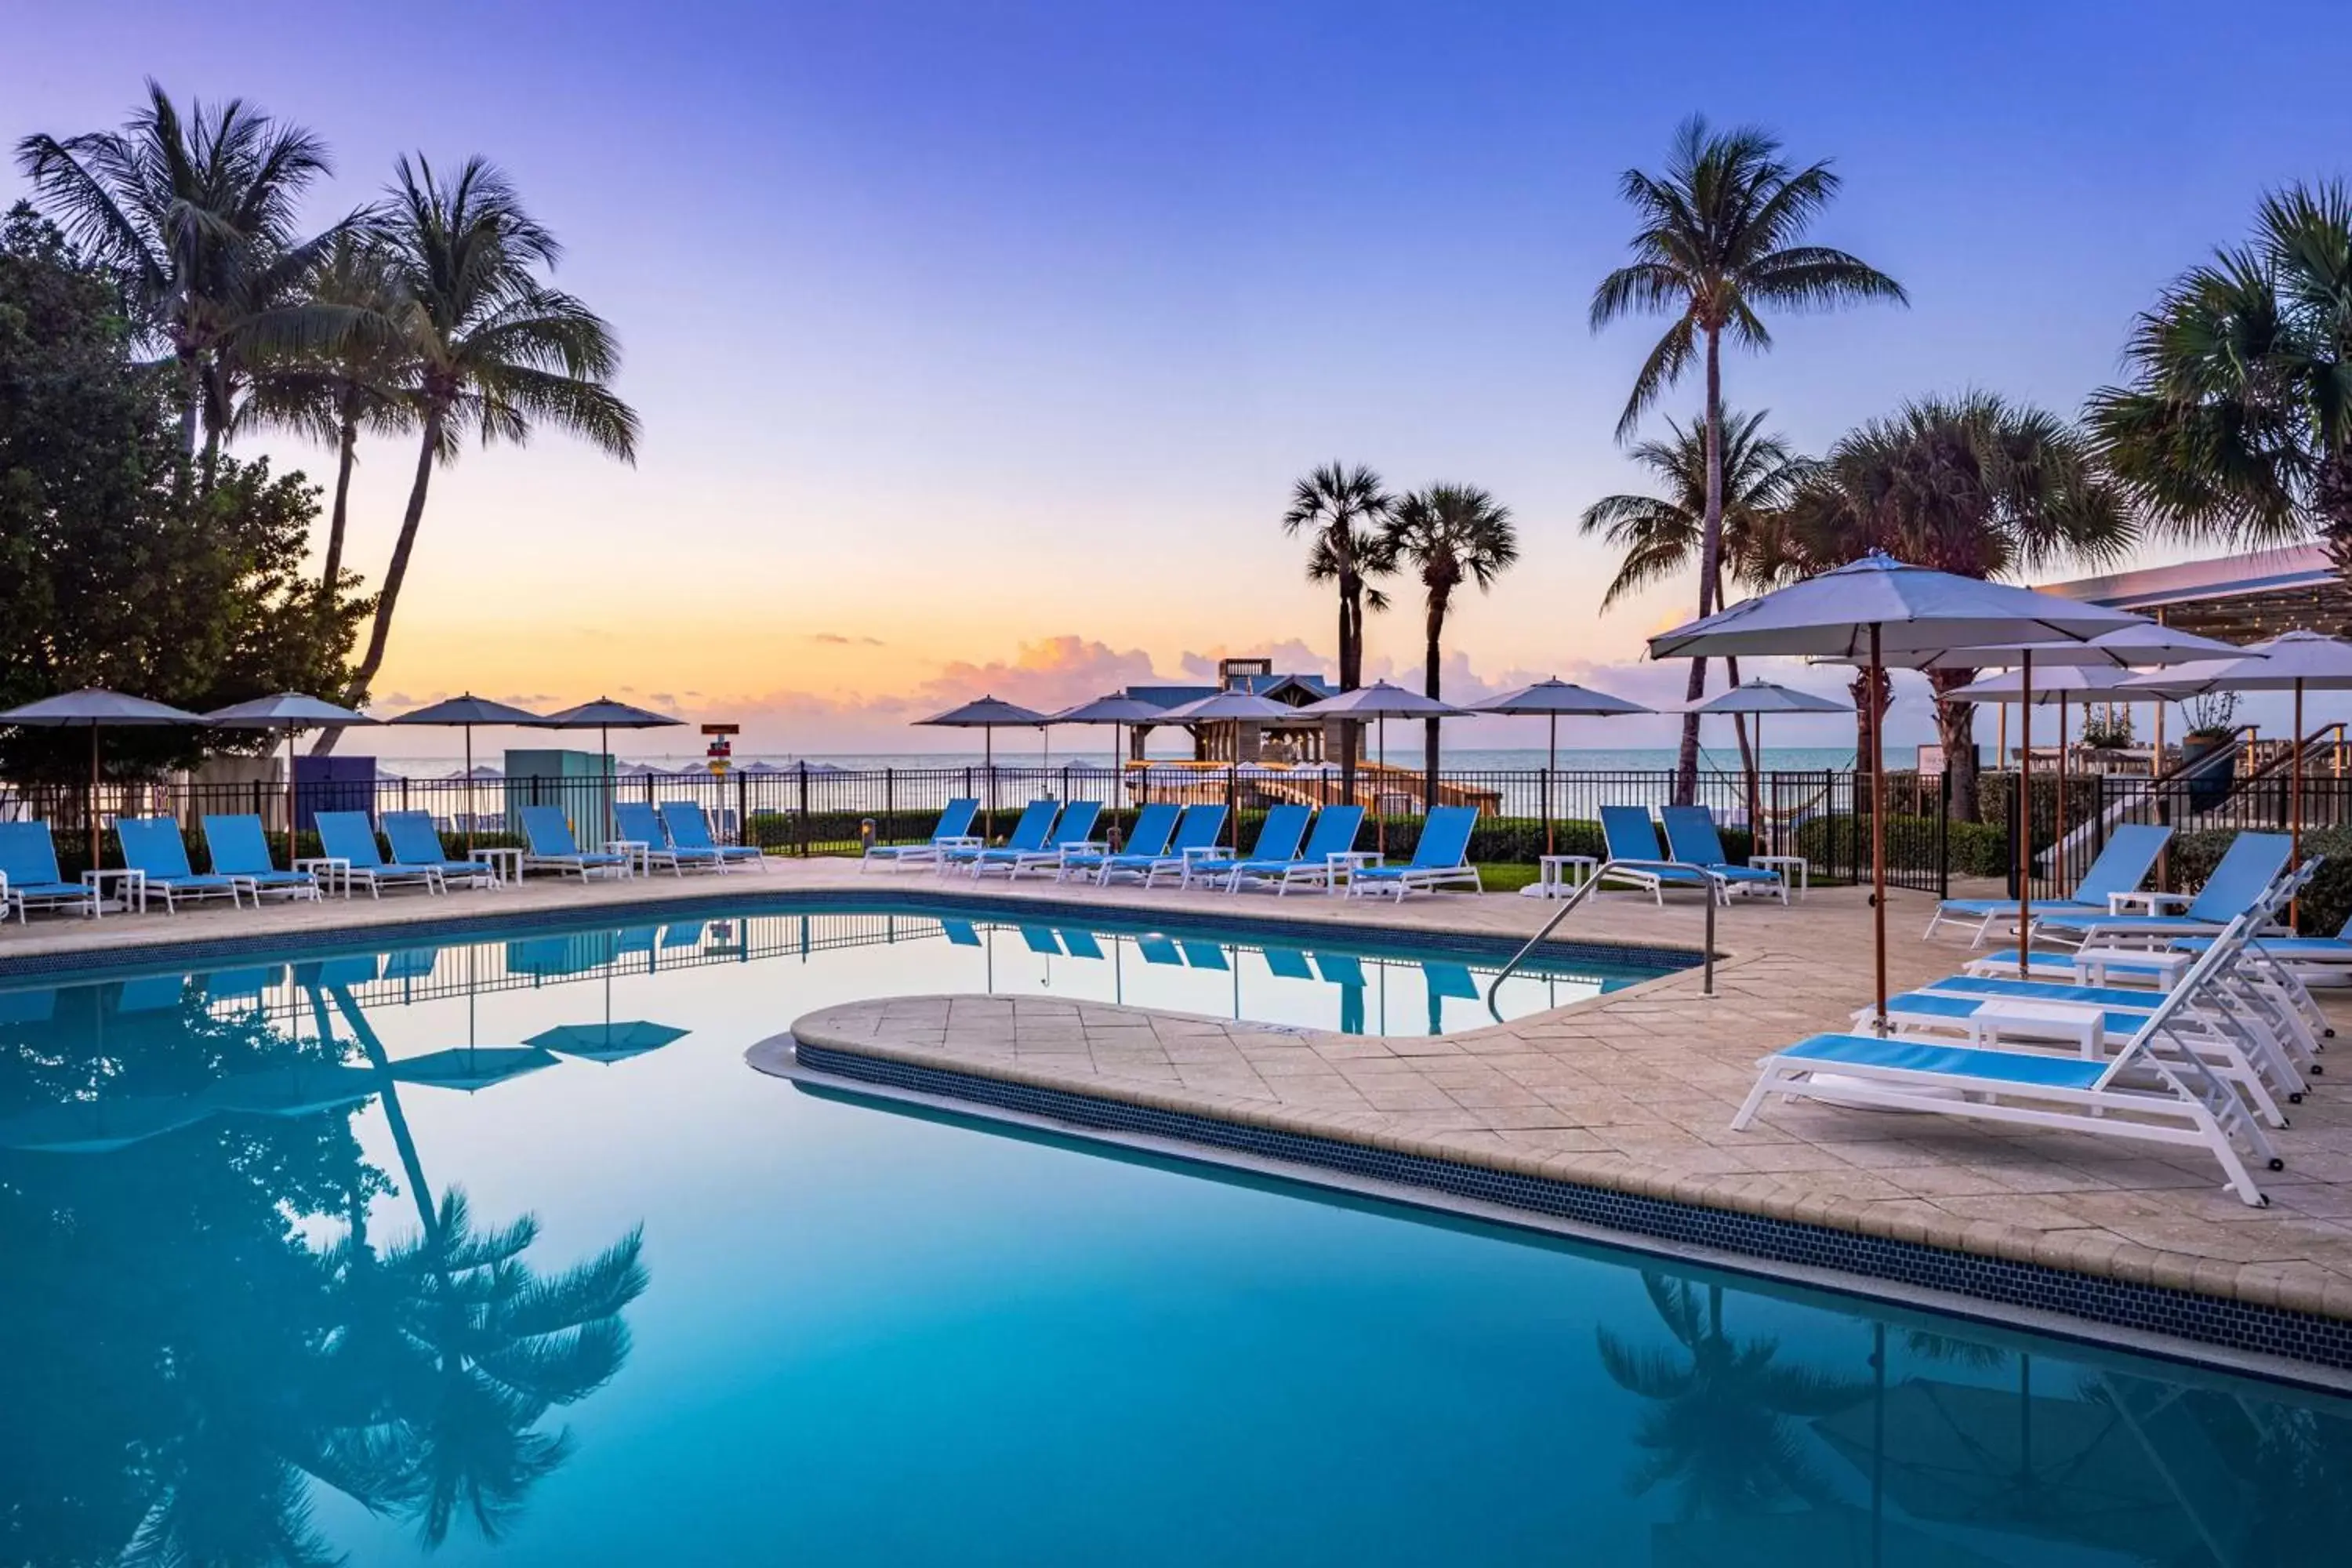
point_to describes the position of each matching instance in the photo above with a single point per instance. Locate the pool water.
(326, 1259)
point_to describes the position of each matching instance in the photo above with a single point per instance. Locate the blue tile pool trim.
(2149, 1308)
(1262, 926)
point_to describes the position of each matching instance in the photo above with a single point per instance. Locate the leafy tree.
(492, 350)
(2237, 422)
(1449, 534)
(196, 216)
(111, 572)
(1343, 510)
(1722, 238)
(1973, 485)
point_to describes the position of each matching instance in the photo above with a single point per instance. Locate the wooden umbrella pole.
(289, 796)
(2058, 849)
(1878, 823)
(92, 812)
(2295, 806)
(2024, 810)
(1551, 762)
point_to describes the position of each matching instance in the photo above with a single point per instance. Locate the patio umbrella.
(1380, 701)
(94, 709)
(465, 710)
(293, 712)
(1233, 707)
(604, 716)
(987, 715)
(1117, 711)
(1873, 606)
(2050, 686)
(1556, 698)
(2292, 661)
(1759, 698)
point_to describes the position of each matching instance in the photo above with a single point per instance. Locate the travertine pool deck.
(1633, 1092)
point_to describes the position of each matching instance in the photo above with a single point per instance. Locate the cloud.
(1291, 657)
(1051, 673)
(836, 639)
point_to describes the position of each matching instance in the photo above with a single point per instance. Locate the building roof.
(1300, 689)
(2238, 598)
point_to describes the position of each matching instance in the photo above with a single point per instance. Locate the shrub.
(2322, 908)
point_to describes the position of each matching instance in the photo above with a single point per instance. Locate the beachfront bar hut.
(1870, 608)
(465, 711)
(93, 710)
(1554, 699)
(293, 712)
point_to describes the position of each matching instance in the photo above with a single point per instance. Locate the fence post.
(804, 817)
(1944, 833)
(889, 825)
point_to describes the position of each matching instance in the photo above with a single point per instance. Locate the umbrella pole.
(2058, 849)
(2024, 808)
(988, 767)
(2155, 772)
(1877, 824)
(604, 760)
(1551, 762)
(1380, 814)
(92, 812)
(469, 792)
(289, 796)
(1756, 790)
(2295, 804)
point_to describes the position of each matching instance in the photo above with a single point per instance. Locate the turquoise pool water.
(325, 1259)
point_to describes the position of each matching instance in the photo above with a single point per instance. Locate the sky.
(977, 345)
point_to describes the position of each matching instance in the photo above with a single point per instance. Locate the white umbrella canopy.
(2050, 686)
(1221, 706)
(2292, 661)
(94, 709)
(2131, 647)
(1116, 709)
(1873, 606)
(293, 712)
(1555, 700)
(987, 715)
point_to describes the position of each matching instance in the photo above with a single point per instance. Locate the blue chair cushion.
(1954, 1061)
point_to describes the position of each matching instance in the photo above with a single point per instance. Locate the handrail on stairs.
(1584, 888)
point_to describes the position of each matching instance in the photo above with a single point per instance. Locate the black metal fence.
(2073, 826)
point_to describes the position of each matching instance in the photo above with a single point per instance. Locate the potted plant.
(2206, 759)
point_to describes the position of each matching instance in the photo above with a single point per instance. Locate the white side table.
(636, 851)
(505, 862)
(2146, 901)
(1348, 862)
(1801, 867)
(2159, 967)
(331, 872)
(132, 884)
(1557, 875)
(2015, 1018)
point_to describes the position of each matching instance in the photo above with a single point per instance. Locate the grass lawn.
(1505, 875)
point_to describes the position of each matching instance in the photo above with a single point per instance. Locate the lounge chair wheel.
(2329, 1034)
(2318, 1067)
(2294, 1100)
(2276, 1164)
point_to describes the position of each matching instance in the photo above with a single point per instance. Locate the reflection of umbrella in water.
(607, 1042)
(2009, 1460)
(470, 1067)
(294, 1090)
(98, 1126)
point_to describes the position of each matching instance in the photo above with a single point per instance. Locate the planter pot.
(2207, 763)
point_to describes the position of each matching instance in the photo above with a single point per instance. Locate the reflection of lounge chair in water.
(29, 1007)
(960, 933)
(411, 963)
(1203, 954)
(151, 994)
(1450, 980)
(1040, 939)
(242, 984)
(1287, 963)
(685, 935)
(1081, 943)
(1159, 950)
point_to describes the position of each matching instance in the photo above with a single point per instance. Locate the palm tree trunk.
(380, 636)
(1956, 727)
(1352, 669)
(191, 396)
(1432, 630)
(331, 572)
(1710, 563)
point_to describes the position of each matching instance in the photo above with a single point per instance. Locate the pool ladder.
(1707, 963)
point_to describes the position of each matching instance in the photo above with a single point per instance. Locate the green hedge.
(2322, 908)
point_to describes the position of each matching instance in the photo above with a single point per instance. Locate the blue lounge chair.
(1691, 836)
(689, 830)
(1628, 835)
(29, 878)
(1278, 839)
(1440, 860)
(152, 847)
(1196, 831)
(415, 842)
(2157, 1088)
(1072, 831)
(637, 822)
(954, 826)
(349, 837)
(550, 846)
(2247, 871)
(240, 849)
(2121, 868)
(1153, 825)
(1029, 833)
(1332, 837)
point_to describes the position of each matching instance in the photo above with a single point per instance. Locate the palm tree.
(1661, 535)
(1451, 534)
(1720, 1425)
(332, 397)
(1344, 509)
(1973, 485)
(494, 352)
(2237, 424)
(198, 216)
(1721, 239)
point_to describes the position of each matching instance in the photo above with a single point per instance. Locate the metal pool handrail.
(1577, 897)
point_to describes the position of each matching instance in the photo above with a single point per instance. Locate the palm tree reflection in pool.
(1717, 1425)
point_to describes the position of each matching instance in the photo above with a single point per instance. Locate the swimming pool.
(658, 1307)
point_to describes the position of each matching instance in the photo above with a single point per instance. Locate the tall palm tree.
(2237, 424)
(1719, 1426)
(494, 351)
(1660, 536)
(1721, 239)
(331, 396)
(1449, 534)
(1973, 485)
(198, 215)
(1343, 510)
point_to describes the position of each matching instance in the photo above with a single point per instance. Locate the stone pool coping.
(1628, 1094)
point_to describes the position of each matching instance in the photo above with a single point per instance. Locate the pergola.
(2236, 598)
